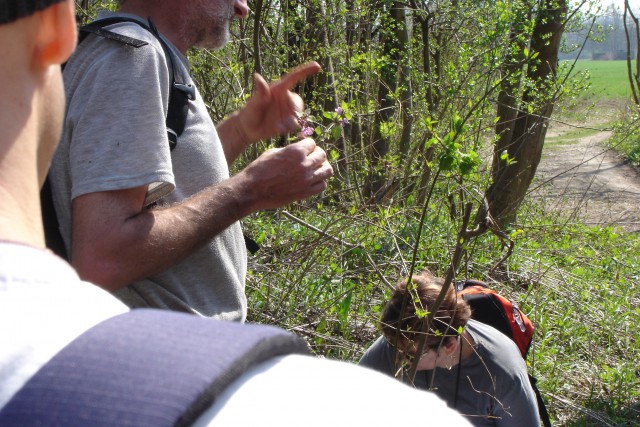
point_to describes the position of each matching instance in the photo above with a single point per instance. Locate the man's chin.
(219, 40)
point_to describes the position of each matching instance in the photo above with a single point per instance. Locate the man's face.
(431, 358)
(210, 20)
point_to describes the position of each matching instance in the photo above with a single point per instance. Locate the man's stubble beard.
(211, 27)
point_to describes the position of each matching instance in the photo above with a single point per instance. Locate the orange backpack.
(491, 308)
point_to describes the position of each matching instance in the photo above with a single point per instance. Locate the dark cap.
(11, 10)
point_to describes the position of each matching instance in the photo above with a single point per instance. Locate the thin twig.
(320, 232)
(428, 320)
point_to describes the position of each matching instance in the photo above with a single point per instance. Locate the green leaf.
(447, 161)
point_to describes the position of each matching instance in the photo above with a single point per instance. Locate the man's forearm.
(114, 253)
(117, 242)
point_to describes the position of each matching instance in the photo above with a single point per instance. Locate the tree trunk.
(406, 96)
(292, 32)
(385, 110)
(326, 80)
(634, 80)
(508, 98)
(257, 55)
(431, 69)
(513, 175)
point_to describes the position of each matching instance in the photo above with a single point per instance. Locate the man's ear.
(450, 345)
(56, 34)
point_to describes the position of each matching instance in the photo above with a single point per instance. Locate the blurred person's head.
(36, 37)
(403, 316)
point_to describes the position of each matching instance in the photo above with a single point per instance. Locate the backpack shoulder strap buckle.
(188, 89)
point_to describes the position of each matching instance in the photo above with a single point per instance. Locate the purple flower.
(344, 122)
(339, 111)
(307, 131)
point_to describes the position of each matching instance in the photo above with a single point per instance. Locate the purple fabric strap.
(144, 368)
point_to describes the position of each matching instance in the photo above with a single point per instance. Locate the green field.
(608, 79)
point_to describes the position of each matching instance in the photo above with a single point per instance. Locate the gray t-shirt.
(115, 138)
(493, 388)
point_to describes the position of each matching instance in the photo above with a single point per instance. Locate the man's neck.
(20, 212)
(19, 223)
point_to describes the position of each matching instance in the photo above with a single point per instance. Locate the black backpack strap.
(180, 92)
(144, 368)
(542, 407)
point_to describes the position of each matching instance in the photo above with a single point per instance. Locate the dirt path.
(586, 180)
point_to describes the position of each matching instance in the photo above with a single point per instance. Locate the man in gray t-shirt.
(160, 228)
(491, 387)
